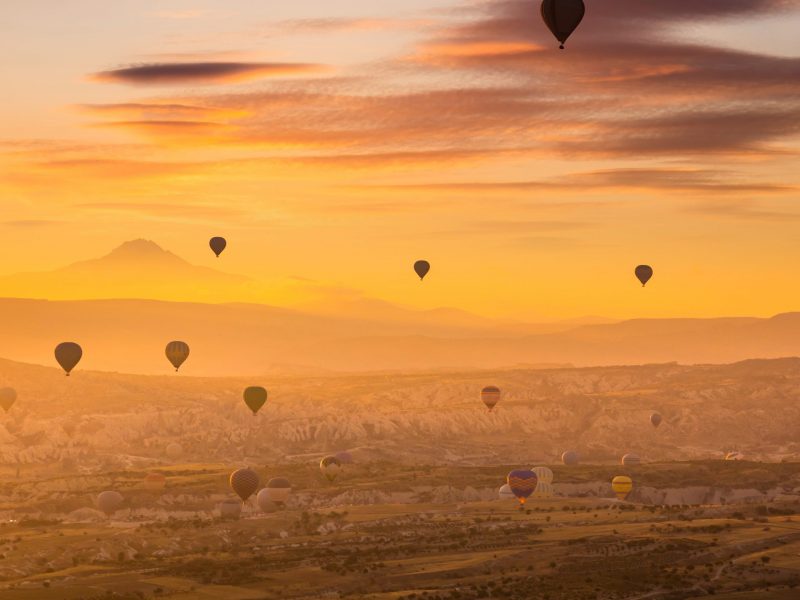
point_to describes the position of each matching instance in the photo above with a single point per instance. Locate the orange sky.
(338, 142)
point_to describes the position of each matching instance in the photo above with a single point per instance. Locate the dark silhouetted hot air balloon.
(570, 457)
(278, 489)
(230, 509)
(244, 482)
(421, 268)
(177, 353)
(217, 245)
(109, 502)
(562, 17)
(330, 467)
(622, 486)
(644, 273)
(255, 397)
(522, 483)
(490, 396)
(68, 355)
(655, 419)
(631, 460)
(7, 398)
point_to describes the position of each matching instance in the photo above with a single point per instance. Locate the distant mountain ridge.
(250, 339)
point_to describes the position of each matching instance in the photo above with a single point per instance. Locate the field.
(386, 531)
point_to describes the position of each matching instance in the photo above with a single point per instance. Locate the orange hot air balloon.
(68, 355)
(109, 502)
(177, 353)
(244, 482)
(490, 396)
(217, 245)
(655, 419)
(7, 398)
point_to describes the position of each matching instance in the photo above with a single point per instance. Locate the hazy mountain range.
(129, 335)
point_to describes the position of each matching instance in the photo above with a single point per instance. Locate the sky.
(335, 142)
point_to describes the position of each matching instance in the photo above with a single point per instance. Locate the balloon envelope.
(330, 467)
(177, 353)
(543, 474)
(490, 396)
(68, 355)
(631, 460)
(109, 502)
(522, 483)
(543, 490)
(7, 397)
(217, 245)
(622, 486)
(562, 17)
(244, 482)
(644, 273)
(505, 492)
(278, 489)
(174, 450)
(265, 501)
(655, 419)
(255, 397)
(570, 457)
(421, 268)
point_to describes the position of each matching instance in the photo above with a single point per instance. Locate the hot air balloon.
(244, 482)
(255, 397)
(631, 460)
(155, 481)
(345, 458)
(522, 483)
(644, 273)
(265, 502)
(109, 502)
(7, 398)
(490, 396)
(570, 457)
(68, 355)
(543, 474)
(230, 509)
(543, 490)
(177, 353)
(278, 489)
(622, 486)
(505, 493)
(330, 467)
(562, 17)
(421, 268)
(174, 450)
(217, 245)
(655, 419)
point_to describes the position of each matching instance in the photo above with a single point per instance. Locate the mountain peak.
(142, 250)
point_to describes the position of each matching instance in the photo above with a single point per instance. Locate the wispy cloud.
(203, 72)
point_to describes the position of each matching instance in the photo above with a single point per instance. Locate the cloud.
(203, 72)
(183, 211)
(29, 223)
(149, 110)
(350, 25)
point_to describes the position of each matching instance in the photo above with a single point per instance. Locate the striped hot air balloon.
(622, 486)
(543, 490)
(522, 483)
(543, 474)
(177, 353)
(490, 396)
(631, 460)
(244, 482)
